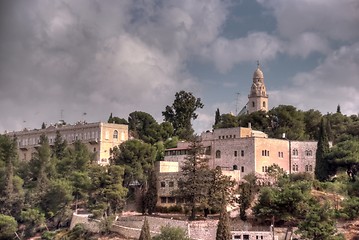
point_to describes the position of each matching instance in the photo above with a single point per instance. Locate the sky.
(81, 60)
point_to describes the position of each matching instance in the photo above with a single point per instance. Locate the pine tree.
(195, 185)
(322, 169)
(223, 231)
(338, 109)
(217, 118)
(110, 119)
(150, 197)
(145, 231)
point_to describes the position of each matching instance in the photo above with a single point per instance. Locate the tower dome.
(258, 73)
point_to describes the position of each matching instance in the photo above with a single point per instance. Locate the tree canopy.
(182, 111)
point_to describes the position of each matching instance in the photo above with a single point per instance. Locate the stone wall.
(89, 224)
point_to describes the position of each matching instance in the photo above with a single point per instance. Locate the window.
(264, 104)
(235, 167)
(237, 236)
(296, 168)
(163, 184)
(242, 153)
(310, 168)
(306, 168)
(295, 152)
(265, 168)
(242, 169)
(163, 199)
(115, 134)
(218, 154)
(94, 149)
(253, 104)
(171, 200)
(262, 168)
(171, 184)
(235, 153)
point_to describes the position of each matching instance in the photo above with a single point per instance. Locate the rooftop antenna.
(237, 100)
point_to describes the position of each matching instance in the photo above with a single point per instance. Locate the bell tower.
(257, 98)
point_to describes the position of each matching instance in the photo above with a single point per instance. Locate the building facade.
(239, 151)
(99, 138)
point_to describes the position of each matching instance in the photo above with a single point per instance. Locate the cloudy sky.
(65, 57)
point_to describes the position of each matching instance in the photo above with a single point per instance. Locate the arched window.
(253, 104)
(115, 134)
(218, 154)
(235, 167)
(264, 104)
(306, 168)
(310, 168)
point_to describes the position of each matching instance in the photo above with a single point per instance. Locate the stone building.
(239, 151)
(98, 137)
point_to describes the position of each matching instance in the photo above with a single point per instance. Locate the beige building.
(239, 151)
(99, 137)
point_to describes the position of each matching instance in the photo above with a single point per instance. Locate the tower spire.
(258, 65)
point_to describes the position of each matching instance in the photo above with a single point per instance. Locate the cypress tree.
(217, 118)
(322, 169)
(223, 232)
(145, 231)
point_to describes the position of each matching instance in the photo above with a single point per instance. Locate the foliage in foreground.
(172, 233)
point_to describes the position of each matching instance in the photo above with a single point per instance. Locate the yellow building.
(99, 137)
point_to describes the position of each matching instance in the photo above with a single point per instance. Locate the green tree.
(288, 202)
(346, 155)
(137, 158)
(41, 169)
(8, 227)
(182, 111)
(117, 120)
(143, 126)
(287, 119)
(217, 118)
(220, 190)
(145, 231)
(227, 121)
(57, 199)
(318, 223)
(172, 233)
(247, 190)
(196, 182)
(322, 170)
(350, 208)
(59, 147)
(150, 196)
(258, 120)
(338, 109)
(33, 219)
(312, 119)
(11, 190)
(223, 231)
(107, 194)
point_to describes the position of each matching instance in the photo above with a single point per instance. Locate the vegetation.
(172, 233)
(182, 111)
(41, 194)
(145, 231)
(322, 167)
(196, 182)
(223, 229)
